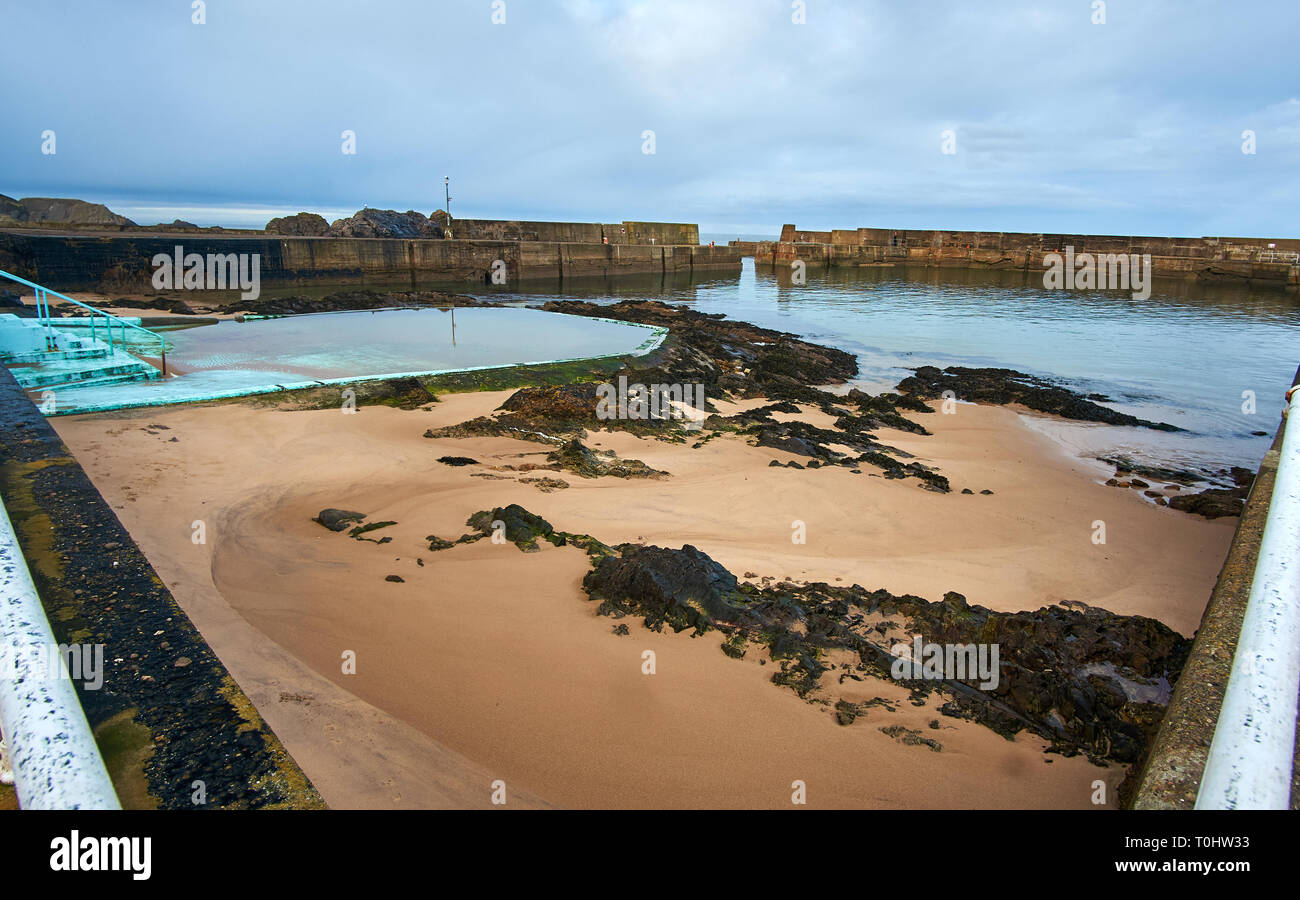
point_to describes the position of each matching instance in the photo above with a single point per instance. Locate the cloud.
(1131, 127)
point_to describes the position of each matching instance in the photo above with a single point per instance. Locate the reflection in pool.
(380, 342)
(233, 358)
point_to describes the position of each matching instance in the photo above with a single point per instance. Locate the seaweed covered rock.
(516, 524)
(579, 459)
(354, 299)
(1085, 679)
(1082, 676)
(338, 519)
(725, 355)
(680, 588)
(1212, 503)
(1002, 386)
(569, 405)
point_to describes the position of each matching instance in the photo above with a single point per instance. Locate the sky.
(996, 115)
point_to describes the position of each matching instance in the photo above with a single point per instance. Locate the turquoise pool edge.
(657, 335)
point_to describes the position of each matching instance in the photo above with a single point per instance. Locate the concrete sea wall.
(119, 262)
(1257, 262)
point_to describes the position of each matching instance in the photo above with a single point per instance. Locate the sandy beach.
(487, 663)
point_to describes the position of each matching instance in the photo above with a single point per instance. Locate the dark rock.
(337, 519)
(1212, 503)
(354, 299)
(1085, 679)
(845, 712)
(681, 588)
(1128, 466)
(385, 223)
(303, 224)
(396, 579)
(1002, 386)
(457, 461)
(911, 737)
(170, 304)
(520, 527)
(575, 457)
(546, 485)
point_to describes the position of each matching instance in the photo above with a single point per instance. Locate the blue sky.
(1129, 127)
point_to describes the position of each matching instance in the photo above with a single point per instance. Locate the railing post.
(49, 327)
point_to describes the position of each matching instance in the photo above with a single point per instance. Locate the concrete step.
(81, 372)
(97, 381)
(79, 351)
(76, 360)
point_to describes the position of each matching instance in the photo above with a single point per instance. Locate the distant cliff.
(56, 211)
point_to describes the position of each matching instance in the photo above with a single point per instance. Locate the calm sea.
(1191, 355)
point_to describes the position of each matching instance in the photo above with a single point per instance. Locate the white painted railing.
(1253, 751)
(55, 761)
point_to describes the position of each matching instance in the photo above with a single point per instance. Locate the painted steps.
(76, 359)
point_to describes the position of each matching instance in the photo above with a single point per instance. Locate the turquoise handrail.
(43, 315)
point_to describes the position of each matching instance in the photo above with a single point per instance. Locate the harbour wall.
(124, 262)
(1257, 262)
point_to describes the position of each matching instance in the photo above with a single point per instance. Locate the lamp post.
(446, 182)
(446, 187)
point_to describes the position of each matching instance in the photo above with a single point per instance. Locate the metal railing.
(56, 762)
(1251, 758)
(110, 321)
(1291, 257)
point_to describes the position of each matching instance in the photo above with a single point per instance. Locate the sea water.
(1197, 356)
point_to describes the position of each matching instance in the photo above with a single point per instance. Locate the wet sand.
(488, 663)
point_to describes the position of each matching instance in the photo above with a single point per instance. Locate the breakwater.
(123, 262)
(1254, 262)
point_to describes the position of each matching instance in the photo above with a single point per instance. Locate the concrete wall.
(505, 230)
(1218, 259)
(123, 263)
